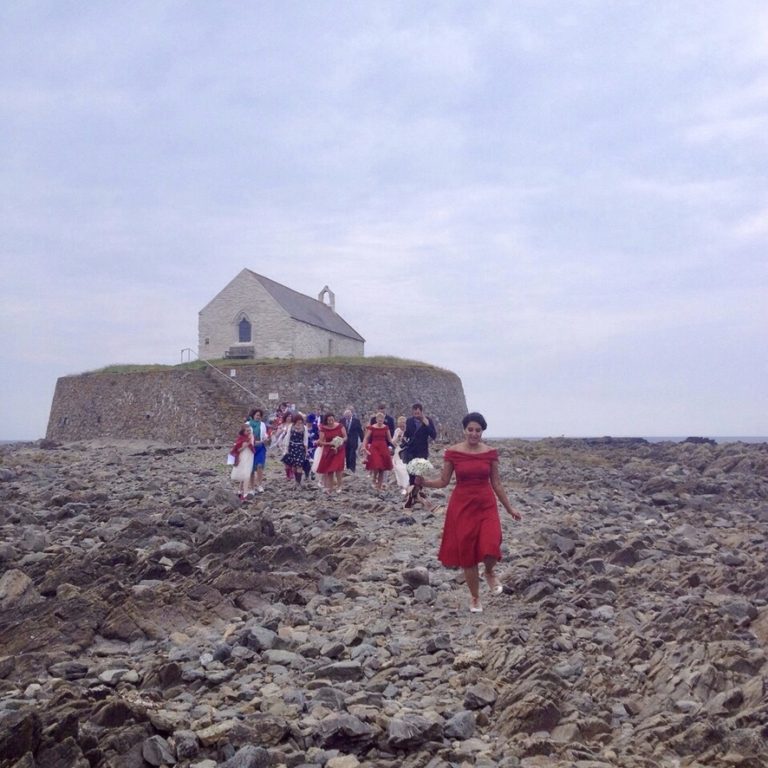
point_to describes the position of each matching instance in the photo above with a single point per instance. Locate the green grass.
(350, 362)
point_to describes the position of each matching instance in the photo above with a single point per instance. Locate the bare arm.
(501, 494)
(443, 480)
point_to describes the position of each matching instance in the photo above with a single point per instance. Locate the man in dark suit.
(354, 436)
(419, 430)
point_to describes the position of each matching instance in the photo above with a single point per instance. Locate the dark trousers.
(351, 454)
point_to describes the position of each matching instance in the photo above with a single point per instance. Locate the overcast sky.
(563, 201)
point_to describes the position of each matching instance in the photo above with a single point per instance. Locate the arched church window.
(244, 329)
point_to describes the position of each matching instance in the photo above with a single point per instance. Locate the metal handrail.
(221, 373)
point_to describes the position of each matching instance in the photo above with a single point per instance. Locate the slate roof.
(306, 309)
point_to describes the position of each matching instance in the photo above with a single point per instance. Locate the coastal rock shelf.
(148, 618)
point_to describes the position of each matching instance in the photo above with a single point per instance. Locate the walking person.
(419, 430)
(280, 441)
(259, 427)
(243, 451)
(401, 473)
(297, 447)
(354, 435)
(376, 445)
(472, 529)
(312, 449)
(388, 420)
(333, 436)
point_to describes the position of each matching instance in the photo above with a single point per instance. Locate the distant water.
(674, 439)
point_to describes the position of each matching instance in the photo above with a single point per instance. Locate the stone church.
(254, 317)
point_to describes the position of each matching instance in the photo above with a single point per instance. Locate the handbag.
(230, 459)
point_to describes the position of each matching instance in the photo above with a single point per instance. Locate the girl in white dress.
(398, 467)
(243, 451)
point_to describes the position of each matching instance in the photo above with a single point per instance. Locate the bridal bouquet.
(336, 442)
(418, 467)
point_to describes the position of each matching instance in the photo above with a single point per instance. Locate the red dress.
(331, 460)
(472, 529)
(379, 457)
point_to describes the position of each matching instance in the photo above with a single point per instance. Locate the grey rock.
(344, 729)
(461, 726)
(156, 751)
(412, 731)
(479, 695)
(341, 670)
(416, 577)
(258, 638)
(248, 756)
(187, 745)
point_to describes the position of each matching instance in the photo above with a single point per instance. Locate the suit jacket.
(354, 432)
(417, 437)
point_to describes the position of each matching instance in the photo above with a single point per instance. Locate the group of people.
(308, 446)
(472, 528)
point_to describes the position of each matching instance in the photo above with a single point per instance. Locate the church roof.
(305, 309)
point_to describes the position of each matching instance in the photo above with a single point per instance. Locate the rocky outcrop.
(149, 618)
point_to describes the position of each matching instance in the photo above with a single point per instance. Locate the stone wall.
(190, 405)
(310, 342)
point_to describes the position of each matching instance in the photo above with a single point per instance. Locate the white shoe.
(260, 489)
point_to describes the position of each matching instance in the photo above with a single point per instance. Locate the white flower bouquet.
(337, 442)
(418, 467)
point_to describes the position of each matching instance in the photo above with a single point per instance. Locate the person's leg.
(472, 577)
(490, 577)
(339, 479)
(351, 457)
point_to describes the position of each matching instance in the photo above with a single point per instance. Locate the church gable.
(255, 317)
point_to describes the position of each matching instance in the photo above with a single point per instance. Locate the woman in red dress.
(333, 436)
(472, 530)
(376, 444)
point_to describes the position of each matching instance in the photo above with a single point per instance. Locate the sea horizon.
(719, 439)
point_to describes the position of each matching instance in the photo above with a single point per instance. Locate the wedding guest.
(243, 451)
(388, 420)
(472, 530)
(280, 441)
(400, 472)
(419, 430)
(314, 436)
(333, 437)
(376, 444)
(259, 427)
(297, 446)
(354, 436)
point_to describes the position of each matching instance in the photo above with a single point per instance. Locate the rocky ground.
(148, 618)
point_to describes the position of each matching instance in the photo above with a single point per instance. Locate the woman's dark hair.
(477, 418)
(326, 415)
(244, 431)
(254, 412)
